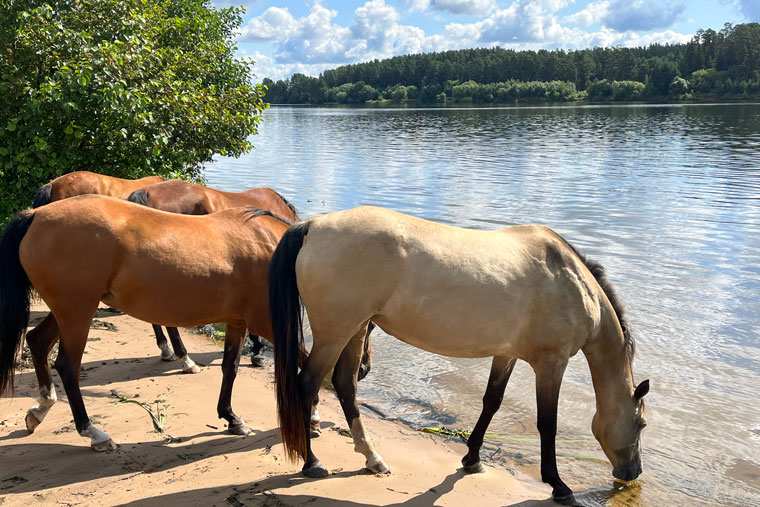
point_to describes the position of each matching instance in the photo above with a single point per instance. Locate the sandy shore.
(203, 465)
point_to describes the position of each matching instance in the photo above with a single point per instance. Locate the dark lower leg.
(233, 346)
(68, 366)
(177, 345)
(309, 386)
(548, 383)
(501, 369)
(257, 345)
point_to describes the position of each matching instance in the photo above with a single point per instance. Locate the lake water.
(666, 197)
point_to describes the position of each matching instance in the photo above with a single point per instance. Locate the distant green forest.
(712, 65)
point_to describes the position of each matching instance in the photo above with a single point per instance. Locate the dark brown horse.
(175, 270)
(517, 293)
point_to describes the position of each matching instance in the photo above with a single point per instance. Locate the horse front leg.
(501, 369)
(548, 381)
(188, 365)
(344, 380)
(40, 341)
(233, 346)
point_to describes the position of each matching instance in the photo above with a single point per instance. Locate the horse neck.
(609, 363)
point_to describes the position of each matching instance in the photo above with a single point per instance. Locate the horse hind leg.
(41, 340)
(344, 380)
(188, 365)
(233, 346)
(501, 370)
(73, 339)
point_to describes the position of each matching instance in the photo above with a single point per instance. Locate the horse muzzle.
(628, 472)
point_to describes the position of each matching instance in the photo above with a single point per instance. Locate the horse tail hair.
(600, 276)
(15, 292)
(42, 197)
(287, 326)
(139, 196)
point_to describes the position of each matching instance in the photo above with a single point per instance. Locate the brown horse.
(518, 293)
(183, 197)
(86, 182)
(175, 270)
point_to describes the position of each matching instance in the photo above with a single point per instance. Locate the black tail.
(139, 196)
(285, 310)
(15, 291)
(42, 197)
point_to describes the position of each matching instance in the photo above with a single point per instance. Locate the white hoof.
(377, 466)
(188, 365)
(99, 440)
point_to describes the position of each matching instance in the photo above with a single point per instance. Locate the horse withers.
(517, 293)
(176, 270)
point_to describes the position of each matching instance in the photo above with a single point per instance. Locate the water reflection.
(666, 197)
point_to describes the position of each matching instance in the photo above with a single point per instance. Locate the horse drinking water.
(517, 293)
(175, 270)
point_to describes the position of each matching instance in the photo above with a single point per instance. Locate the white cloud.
(593, 14)
(274, 25)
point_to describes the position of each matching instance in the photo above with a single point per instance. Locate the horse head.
(619, 430)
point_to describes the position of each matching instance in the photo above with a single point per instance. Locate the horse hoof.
(568, 499)
(316, 471)
(257, 361)
(313, 433)
(378, 468)
(193, 369)
(241, 429)
(107, 446)
(475, 468)
(31, 422)
(170, 357)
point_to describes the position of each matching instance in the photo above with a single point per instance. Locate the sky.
(284, 37)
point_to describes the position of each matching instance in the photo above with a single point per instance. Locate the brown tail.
(286, 314)
(15, 290)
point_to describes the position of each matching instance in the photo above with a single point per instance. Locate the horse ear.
(641, 390)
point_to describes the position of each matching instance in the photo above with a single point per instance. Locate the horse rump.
(15, 292)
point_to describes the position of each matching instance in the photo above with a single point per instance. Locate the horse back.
(449, 290)
(86, 182)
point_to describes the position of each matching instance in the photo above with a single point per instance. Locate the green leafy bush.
(123, 87)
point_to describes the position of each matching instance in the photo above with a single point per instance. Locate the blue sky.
(310, 36)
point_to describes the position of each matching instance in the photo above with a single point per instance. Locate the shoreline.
(203, 465)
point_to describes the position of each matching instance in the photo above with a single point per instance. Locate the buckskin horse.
(176, 270)
(517, 293)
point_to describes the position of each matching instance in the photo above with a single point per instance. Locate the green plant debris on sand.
(464, 435)
(341, 431)
(101, 324)
(156, 411)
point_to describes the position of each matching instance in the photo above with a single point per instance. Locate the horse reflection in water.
(518, 293)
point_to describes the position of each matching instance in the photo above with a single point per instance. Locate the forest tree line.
(722, 64)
